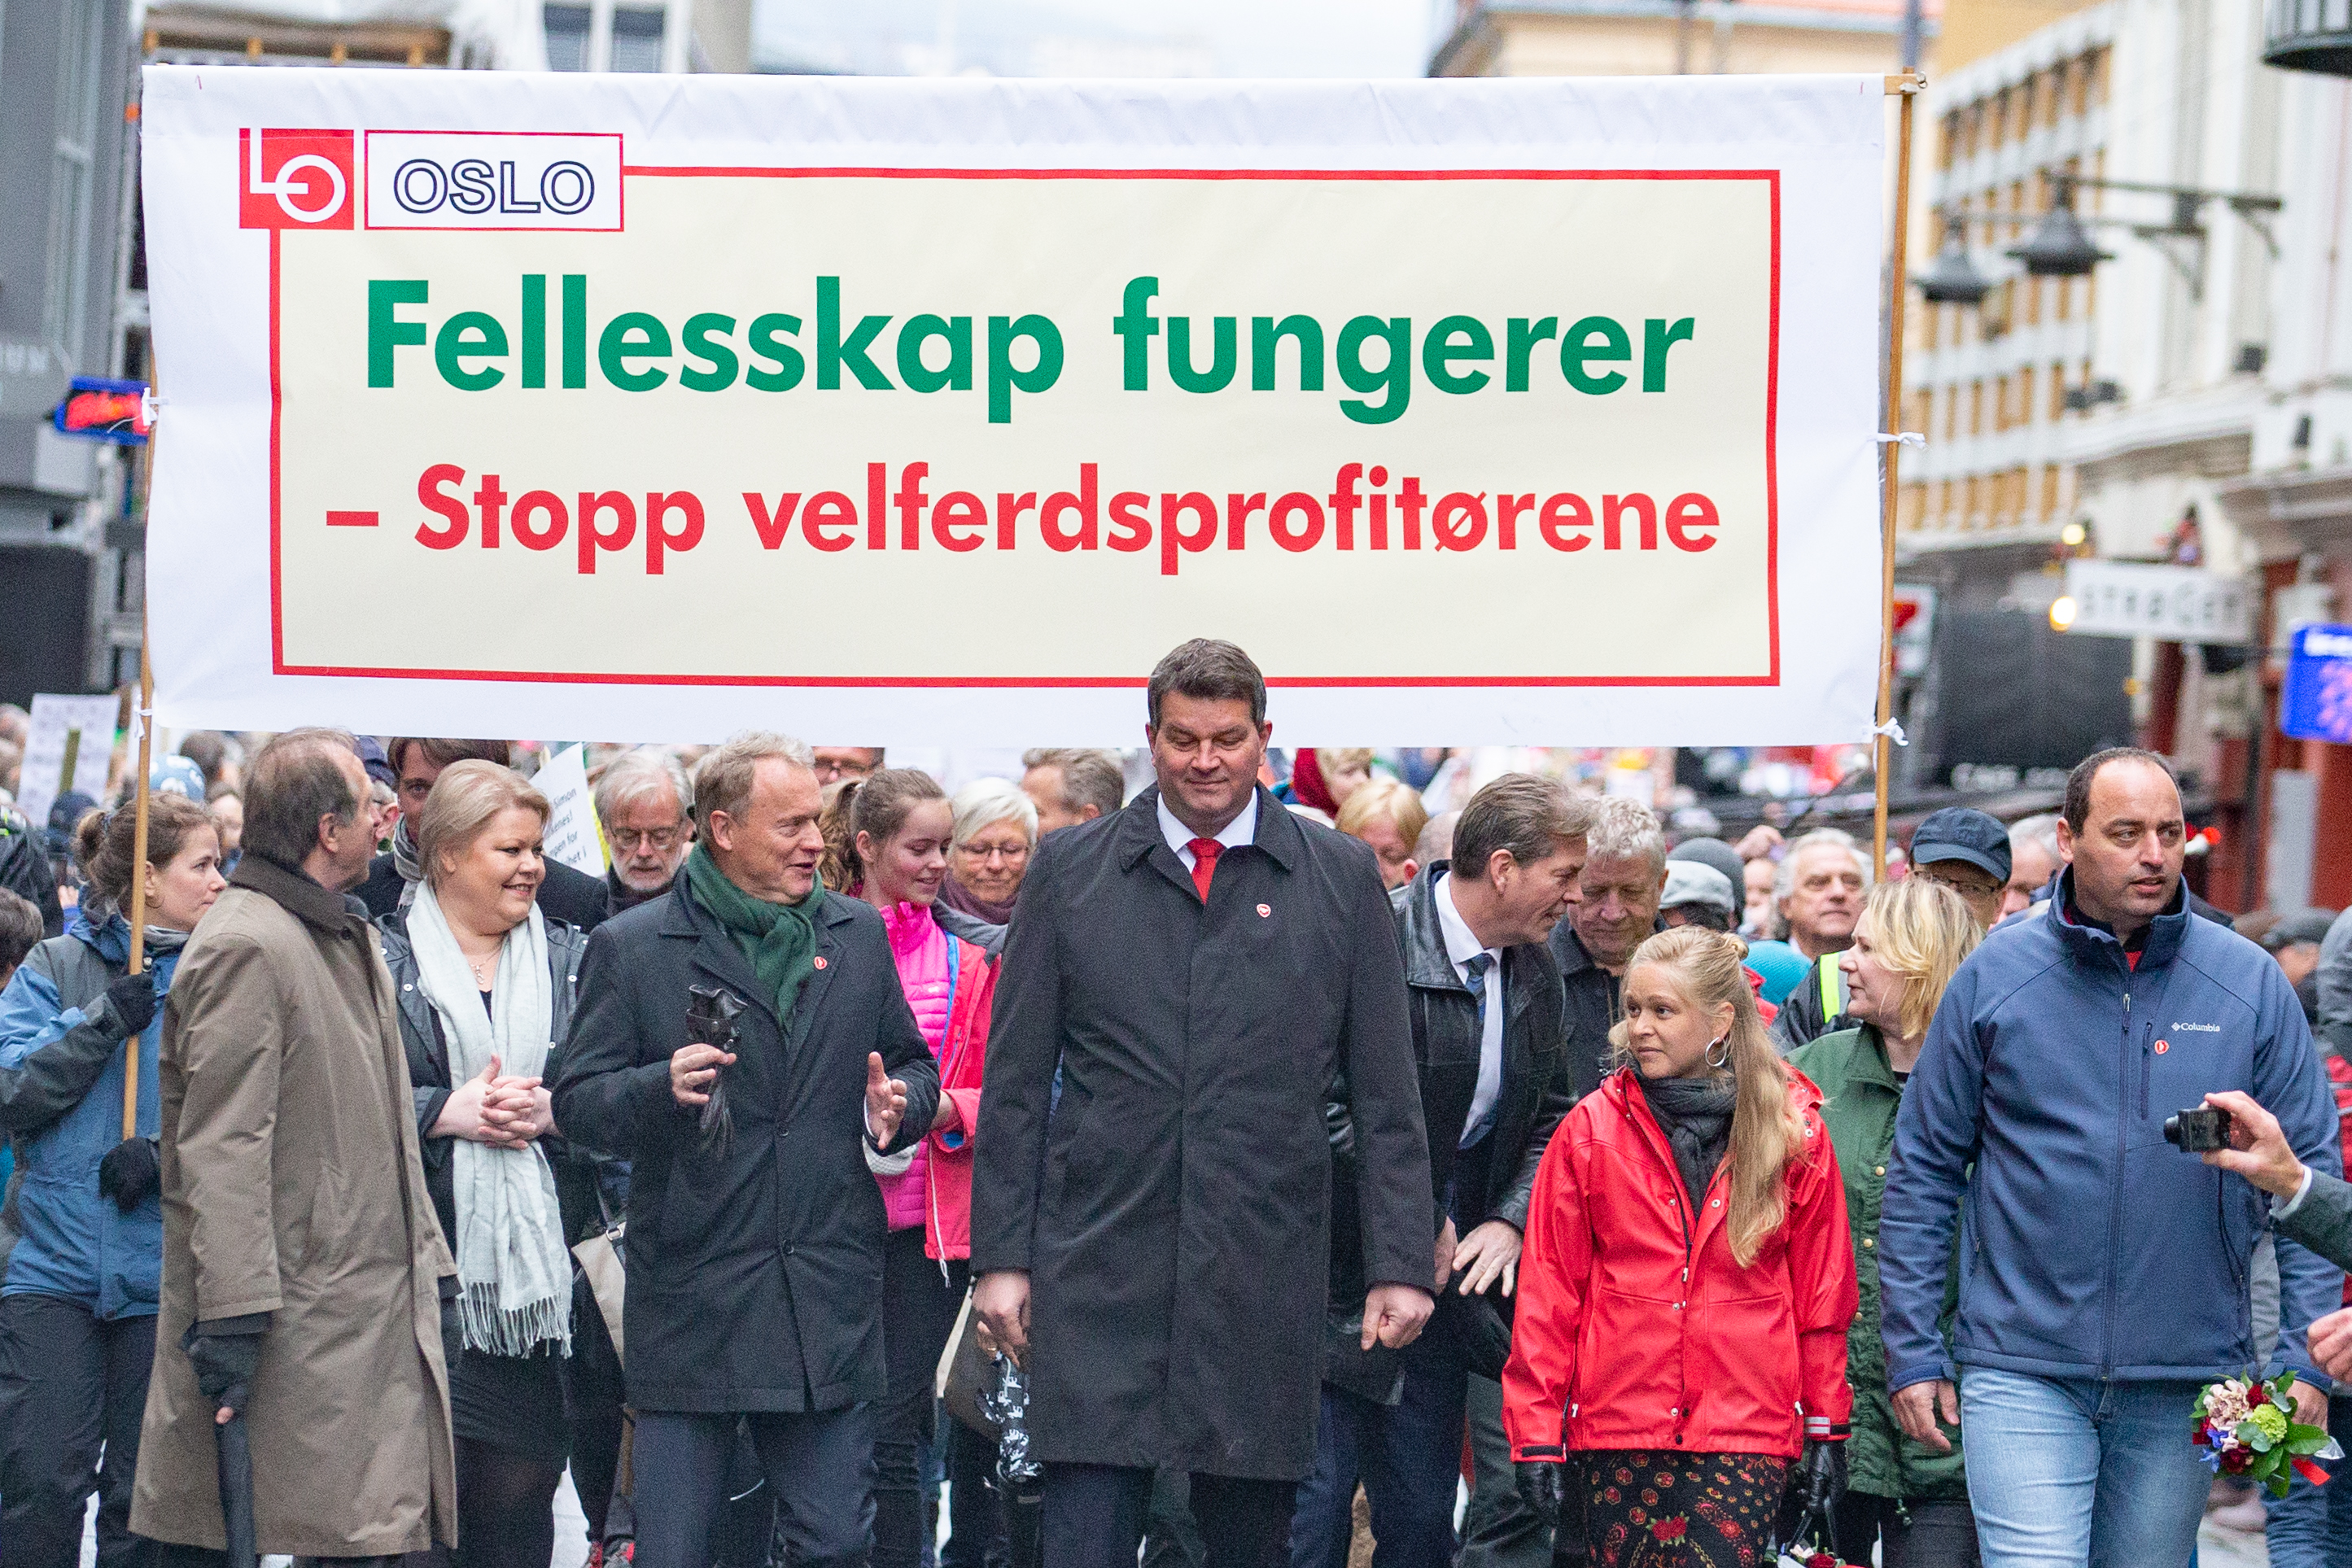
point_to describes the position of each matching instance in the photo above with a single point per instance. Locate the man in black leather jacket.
(1486, 1002)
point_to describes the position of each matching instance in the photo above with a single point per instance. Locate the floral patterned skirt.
(1653, 1509)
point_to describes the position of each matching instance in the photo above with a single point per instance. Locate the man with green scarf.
(755, 1241)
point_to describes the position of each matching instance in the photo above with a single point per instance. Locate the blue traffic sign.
(2316, 704)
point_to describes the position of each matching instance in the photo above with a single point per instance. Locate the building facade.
(1667, 38)
(2189, 400)
(73, 286)
(65, 187)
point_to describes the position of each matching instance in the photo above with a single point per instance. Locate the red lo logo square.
(295, 179)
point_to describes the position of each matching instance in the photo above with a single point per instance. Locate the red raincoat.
(1635, 1332)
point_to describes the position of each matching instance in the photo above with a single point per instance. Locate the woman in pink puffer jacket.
(888, 843)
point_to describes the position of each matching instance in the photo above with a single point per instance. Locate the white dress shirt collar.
(1242, 830)
(1462, 944)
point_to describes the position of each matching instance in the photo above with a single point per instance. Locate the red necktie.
(1205, 864)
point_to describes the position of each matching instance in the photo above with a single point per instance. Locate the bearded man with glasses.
(645, 803)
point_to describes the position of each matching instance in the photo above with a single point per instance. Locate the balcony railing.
(2308, 35)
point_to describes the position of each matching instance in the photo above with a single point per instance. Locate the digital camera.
(2198, 1131)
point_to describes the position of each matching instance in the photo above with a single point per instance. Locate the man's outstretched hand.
(886, 1101)
(2258, 1149)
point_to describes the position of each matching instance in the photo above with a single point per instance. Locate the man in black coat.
(754, 1258)
(1485, 1009)
(571, 896)
(1201, 966)
(1624, 876)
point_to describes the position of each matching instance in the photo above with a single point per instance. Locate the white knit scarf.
(509, 1243)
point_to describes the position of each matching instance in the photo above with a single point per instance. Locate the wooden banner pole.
(145, 722)
(1907, 88)
(138, 911)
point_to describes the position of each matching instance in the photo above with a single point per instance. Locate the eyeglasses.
(662, 840)
(1010, 854)
(1963, 885)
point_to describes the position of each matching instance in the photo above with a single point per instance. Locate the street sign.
(33, 377)
(2316, 704)
(99, 408)
(1914, 628)
(2171, 603)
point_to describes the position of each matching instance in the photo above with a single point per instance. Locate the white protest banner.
(65, 737)
(574, 835)
(934, 412)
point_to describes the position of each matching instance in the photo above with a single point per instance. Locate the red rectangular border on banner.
(1771, 177)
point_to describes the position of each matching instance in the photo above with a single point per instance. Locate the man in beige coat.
(298, 1238)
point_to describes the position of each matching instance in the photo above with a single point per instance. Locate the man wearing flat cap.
(1964, 850)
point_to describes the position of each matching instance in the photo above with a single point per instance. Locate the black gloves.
(1820, 1475)
(453, 1334)
(130, 1173)
(225, 1351)
(1543, 1486)
(131, 999)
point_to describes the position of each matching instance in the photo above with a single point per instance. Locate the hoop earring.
(1714, 1061)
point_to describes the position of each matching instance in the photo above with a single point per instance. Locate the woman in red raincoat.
(1687, 1281)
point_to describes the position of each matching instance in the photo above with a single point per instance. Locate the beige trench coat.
(292, 1186)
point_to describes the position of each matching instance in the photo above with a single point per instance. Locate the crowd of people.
(1174, 1171)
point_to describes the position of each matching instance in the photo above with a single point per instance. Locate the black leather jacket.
(1535, 1092)
(580, 1179)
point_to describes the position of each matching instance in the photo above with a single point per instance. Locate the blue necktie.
(1479, 964)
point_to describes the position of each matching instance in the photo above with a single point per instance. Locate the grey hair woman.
(996, 833)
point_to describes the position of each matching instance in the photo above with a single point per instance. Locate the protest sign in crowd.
(1162, 1164)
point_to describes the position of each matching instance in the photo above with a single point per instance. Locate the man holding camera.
(2104, 1275)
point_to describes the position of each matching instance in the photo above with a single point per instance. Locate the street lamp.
(1952, 278)
(2061, 245)
(2058, 245)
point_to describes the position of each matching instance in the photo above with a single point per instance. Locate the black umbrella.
(237, 1488)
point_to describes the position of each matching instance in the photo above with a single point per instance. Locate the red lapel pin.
(1265, 912)
(819, 960)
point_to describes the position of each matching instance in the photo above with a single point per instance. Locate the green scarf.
(779, 938)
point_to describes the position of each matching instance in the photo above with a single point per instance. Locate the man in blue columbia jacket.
(2103, 1272)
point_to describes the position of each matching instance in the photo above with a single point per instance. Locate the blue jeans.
(1408, 1456)
(2311, 1527)
(2076, 1471)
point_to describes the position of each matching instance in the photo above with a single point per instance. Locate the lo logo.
(295, 179)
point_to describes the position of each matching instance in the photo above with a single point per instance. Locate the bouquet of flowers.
(2247, 1427)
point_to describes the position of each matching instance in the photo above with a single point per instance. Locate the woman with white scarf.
(485, 985)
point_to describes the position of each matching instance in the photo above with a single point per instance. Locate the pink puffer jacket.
(926, 959)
